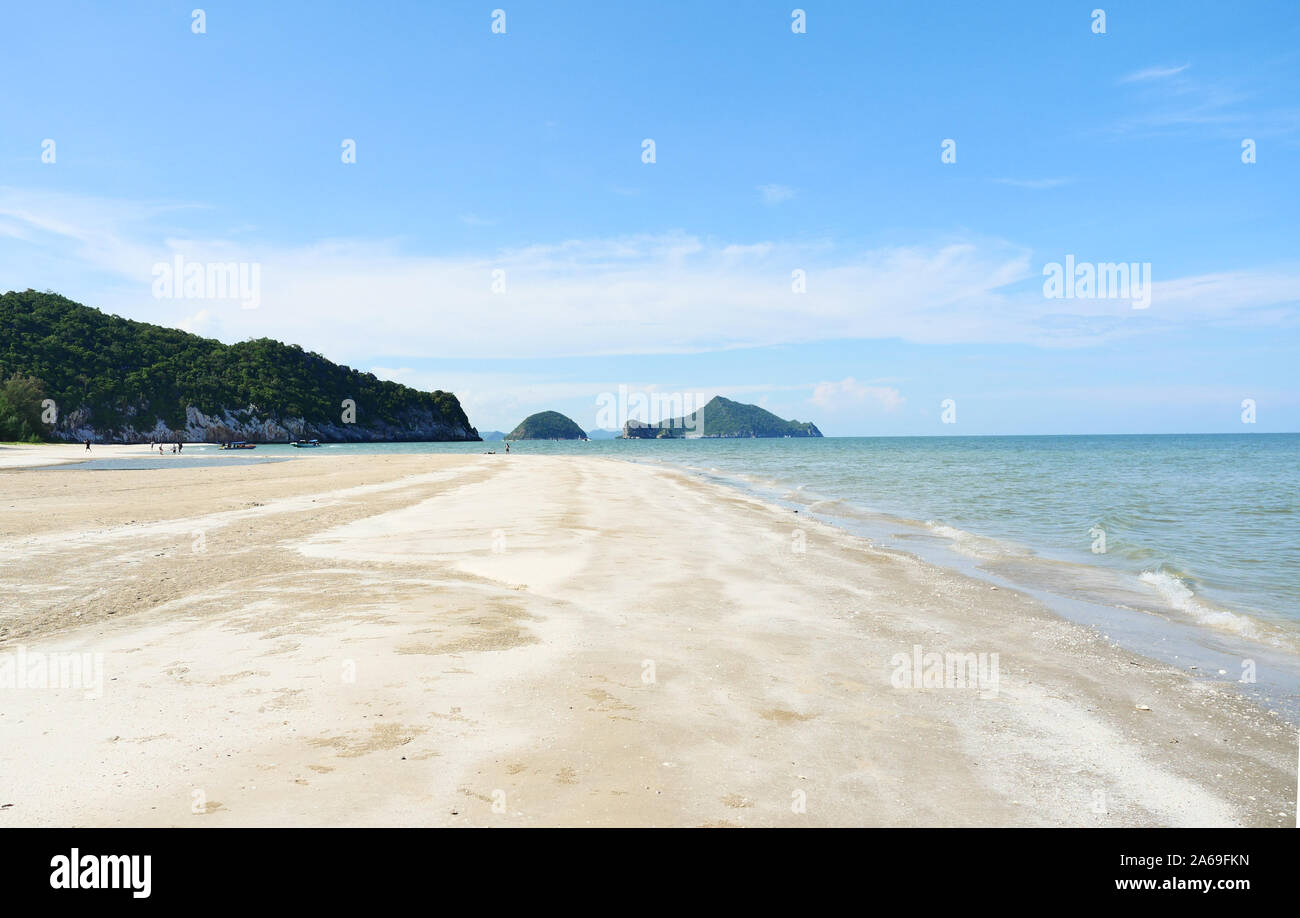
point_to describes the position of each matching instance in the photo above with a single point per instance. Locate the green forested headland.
(110, 375)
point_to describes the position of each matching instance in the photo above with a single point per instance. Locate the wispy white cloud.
(656, 293)
(775, 194)
(1152, 73)
(848, 391)
(1170, 101)
(757, 249)
(202, 323)
(1035, 183)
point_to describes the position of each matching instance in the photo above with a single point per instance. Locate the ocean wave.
(1175, 591)
(822, 504)
(981, 548)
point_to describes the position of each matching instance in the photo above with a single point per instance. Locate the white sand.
(20, 456)
(501, 614)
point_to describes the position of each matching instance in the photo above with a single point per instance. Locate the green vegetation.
(110, 373)
(20, 410)
(722, 417)
(547, 425)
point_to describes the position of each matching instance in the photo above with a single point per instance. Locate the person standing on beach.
(507, 446)
(87, 445)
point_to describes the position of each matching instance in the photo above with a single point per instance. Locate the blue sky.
(820, 152)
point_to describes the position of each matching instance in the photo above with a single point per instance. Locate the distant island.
(112, 379)
(601, 433)
(491, 435)
(721, 417)
(547, 425)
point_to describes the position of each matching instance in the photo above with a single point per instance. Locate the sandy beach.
(493, 640)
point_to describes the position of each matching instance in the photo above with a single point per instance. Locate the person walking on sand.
(87, 445)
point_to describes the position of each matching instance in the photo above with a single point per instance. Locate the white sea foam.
(1181, 597)
(971, 545)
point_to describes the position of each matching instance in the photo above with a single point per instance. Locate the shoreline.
(1195, 647)
(1141, 624)
(499, 612)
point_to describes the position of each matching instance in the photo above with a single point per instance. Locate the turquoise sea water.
(1200, 531)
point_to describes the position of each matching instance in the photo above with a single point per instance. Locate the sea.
(1180, 547)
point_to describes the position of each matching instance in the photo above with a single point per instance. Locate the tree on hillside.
(20, 409)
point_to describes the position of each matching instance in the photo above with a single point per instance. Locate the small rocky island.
(547, 425)
(721, 417)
